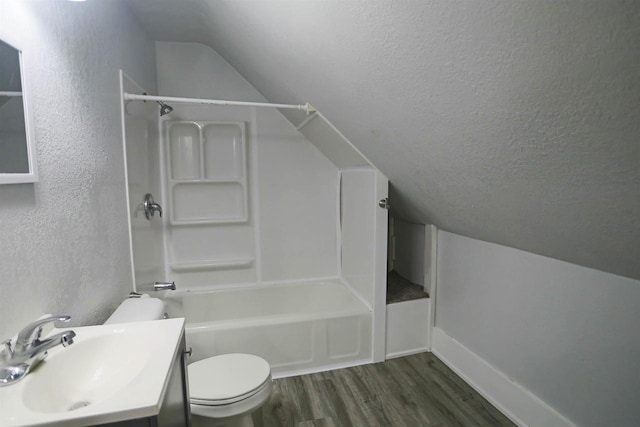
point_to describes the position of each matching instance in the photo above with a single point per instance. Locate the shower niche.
(206, 165)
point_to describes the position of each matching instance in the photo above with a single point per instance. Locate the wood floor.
(417, 390)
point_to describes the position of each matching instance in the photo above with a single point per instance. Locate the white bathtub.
(298, 327)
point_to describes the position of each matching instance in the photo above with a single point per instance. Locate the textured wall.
(568, 334)
(510, 122)
(64, 244)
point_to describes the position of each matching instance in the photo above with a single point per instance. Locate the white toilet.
(227, 390)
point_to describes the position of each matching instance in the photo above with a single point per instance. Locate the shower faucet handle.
(150, 207)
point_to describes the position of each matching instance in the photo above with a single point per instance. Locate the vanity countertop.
(110, 373)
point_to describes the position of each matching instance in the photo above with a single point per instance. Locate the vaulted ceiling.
(512, 122)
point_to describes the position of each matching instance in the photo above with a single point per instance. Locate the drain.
(78, 405)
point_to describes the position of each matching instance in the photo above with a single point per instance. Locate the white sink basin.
(110, 373)
(87, 372)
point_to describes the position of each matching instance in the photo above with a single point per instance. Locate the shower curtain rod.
(308, 108)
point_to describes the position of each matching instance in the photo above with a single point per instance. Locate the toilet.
(227, 390)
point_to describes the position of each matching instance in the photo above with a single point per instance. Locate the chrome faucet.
(150, 207)
(17, 361)
(164, 286)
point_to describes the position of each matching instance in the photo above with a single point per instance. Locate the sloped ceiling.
(512, 122)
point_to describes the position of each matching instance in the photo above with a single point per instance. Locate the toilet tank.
(137, 310)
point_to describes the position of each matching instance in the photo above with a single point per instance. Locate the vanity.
(127, 375)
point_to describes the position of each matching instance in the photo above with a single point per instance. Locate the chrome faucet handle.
(7, 348)
(157, 208)
(150, 207)
(30, 333)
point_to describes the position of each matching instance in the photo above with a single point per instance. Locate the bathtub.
(297, 327)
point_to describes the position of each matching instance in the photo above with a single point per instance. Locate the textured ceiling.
(512, 122)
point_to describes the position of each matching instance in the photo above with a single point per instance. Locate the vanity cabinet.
(175, 410)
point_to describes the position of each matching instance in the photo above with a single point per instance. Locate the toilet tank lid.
(137, 310)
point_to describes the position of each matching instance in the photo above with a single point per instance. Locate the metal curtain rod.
(308, 108)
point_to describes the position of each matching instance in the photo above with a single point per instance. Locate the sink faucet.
(17, 361)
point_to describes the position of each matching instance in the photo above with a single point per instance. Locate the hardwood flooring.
(413, 391)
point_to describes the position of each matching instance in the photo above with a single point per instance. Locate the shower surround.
(270, 233)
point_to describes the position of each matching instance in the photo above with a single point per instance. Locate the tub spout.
(164, 286)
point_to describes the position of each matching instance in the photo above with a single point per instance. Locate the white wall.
(195, 70)
(298, 203)
(331, 142)
(296, 191)
(358, 228)
(568, 334)
(64, 245)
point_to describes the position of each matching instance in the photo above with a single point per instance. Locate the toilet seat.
(237, 380)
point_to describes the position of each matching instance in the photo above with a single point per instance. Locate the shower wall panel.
(210, 226)
(358, 196)
(291, 206)
(298, 196)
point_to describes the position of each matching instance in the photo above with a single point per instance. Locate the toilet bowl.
(228, 387)
(227, 390)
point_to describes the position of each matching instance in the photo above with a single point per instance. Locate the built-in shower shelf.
(225, 264)
(207, 172)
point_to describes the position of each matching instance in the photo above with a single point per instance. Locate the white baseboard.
(516, 402)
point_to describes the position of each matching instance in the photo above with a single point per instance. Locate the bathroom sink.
(111, 373)
(87, 372)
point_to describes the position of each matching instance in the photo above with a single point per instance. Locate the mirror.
(17, 160)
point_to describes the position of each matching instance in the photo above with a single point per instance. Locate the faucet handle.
(32, 331)
(150, 207)
(7, 348)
